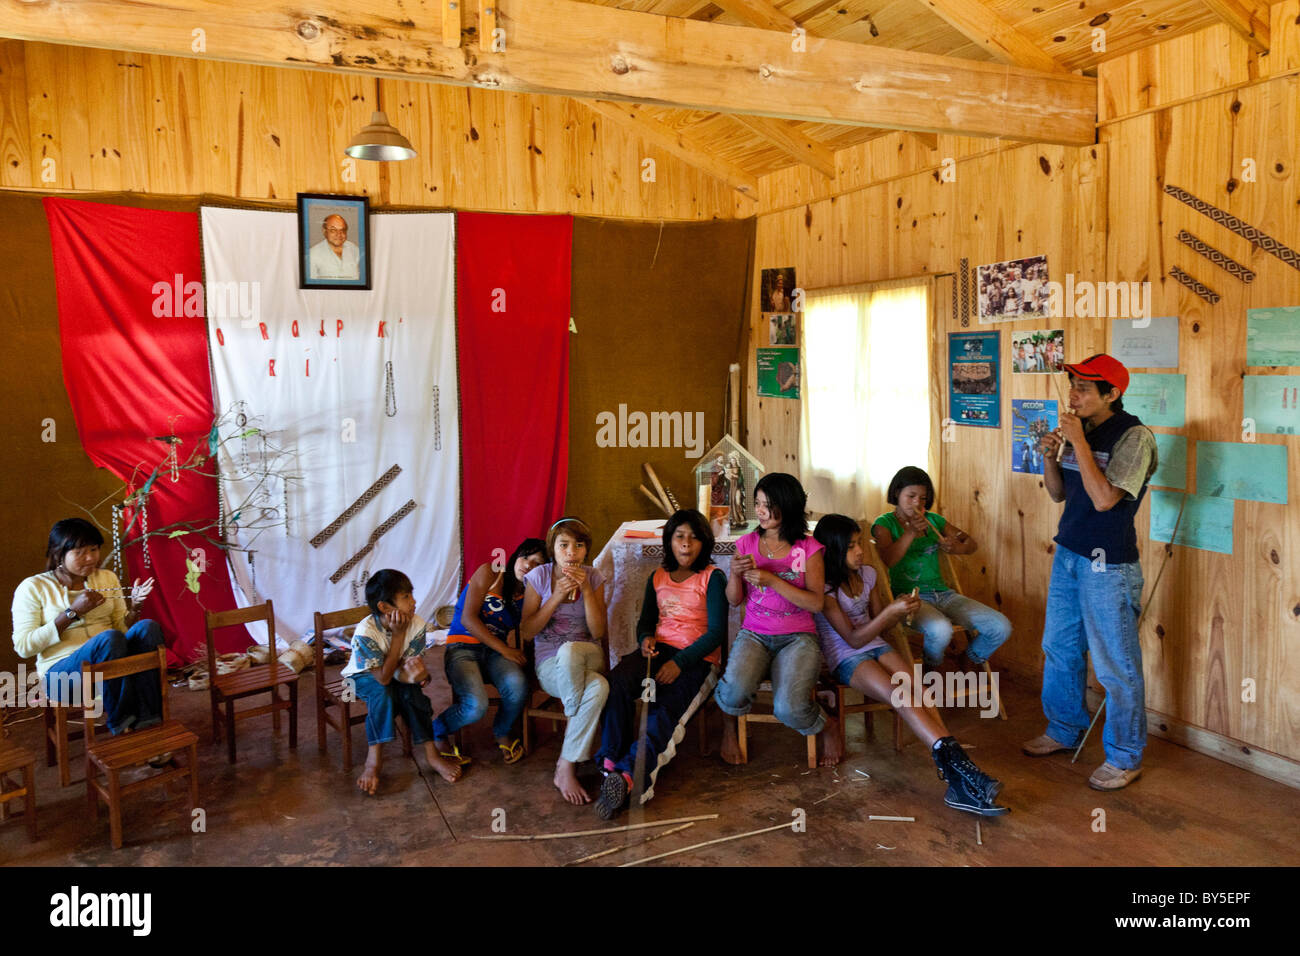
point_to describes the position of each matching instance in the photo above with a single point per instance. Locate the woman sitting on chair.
(75, 613)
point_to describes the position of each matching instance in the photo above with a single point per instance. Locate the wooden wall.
(165, 125)
(1186, 112)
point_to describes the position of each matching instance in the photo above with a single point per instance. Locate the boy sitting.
(388, 673)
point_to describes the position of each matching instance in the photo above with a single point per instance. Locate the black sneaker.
(969, 788)
(613, 794)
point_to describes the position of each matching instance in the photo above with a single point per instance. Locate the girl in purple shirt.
(851, 626)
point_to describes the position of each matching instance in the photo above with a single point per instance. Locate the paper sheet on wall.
(1171, 472)
(1145, 343)
(1252, 472)
(1157, 399)
(1206, 523)
(1273, 336)
(1272, 402)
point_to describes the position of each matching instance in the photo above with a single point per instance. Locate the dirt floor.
(281, 807)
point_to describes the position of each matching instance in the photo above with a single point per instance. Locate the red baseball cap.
(1101, 368)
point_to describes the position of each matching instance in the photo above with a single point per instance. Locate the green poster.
(778, 372)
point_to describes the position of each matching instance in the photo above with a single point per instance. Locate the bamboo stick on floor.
(696, 846)
(581, 833)
(618, 849)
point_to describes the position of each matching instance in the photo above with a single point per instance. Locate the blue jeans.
(134, 700)
(938, 612)
(795, 661)
(1095, 612)
(385, 701)
(466, 665)
(844, 670)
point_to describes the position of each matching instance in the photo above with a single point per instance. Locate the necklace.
(771, 552)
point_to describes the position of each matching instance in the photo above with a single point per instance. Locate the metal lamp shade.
(380, 141)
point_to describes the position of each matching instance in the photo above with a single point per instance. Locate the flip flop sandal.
(512, 753)
(456, 756)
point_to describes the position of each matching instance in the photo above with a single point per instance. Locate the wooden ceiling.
(1063, 31)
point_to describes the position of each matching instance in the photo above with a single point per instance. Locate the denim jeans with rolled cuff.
(794, 660)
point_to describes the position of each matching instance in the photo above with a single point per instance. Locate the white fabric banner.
(341, 387)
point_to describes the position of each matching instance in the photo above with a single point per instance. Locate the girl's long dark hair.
(835, 534)
(510, 583)
(786, 495)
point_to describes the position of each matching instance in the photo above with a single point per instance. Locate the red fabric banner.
(135, 364)
(512, 296)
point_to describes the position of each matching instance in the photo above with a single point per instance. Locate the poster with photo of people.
(1031, 419)
(1038, 352)
(776, 292)
(974, 397)
(782, 328)
(1017, 289)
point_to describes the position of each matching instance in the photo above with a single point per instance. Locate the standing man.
(1095, 596)
(335, 256)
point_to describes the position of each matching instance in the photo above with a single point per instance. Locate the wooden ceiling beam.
(578, 49)
(759, 13)
(1247, 18)
(682, 145)
(794, 143)
(982, 26)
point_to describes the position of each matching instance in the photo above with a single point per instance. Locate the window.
(866, 390)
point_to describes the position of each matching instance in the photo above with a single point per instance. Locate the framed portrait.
(333, 241)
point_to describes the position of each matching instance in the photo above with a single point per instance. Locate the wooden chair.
(540, 705)
(868, 707)
(767, 717)
(15, 759)
(225, 689)
(949, 569)
(329, 693)
(59, 735)
(111, 755)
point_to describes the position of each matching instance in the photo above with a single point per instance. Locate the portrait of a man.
(333, 242)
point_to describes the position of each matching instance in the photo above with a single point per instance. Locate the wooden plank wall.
(1101, 214)
(167, 125)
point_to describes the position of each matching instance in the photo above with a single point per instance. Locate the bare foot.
(446, 769)
(368, 782)
(566, 781)
(830, 741)
(730, 740)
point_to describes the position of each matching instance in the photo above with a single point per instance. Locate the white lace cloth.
(627, 563)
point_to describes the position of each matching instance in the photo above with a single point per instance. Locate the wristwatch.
(71, 615)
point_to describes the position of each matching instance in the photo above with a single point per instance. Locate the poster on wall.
(974, 397)
(1031, 419)
(1039, 352)
(1273, 337)
(1145, 343)
(777, 290)
(782, 328)
(1013, 290)
(778, 372)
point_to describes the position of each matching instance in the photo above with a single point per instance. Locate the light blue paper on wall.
(1145, 343)
(1226, 469)
(1273, 403)
(1206, 522)
(1171, 451)
(1157, 399)
(1273, 336)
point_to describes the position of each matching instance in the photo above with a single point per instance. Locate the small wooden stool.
(14, 758)
(59, 737)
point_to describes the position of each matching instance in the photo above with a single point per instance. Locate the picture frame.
(333, 241)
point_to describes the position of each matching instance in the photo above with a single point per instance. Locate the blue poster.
(1272, 402)
(1145, 343)
(1157, 399)
(1226, 469)
(974, 374)
(1171, 458)
(1031, 419)
(1273, 336)
(1202, 522)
